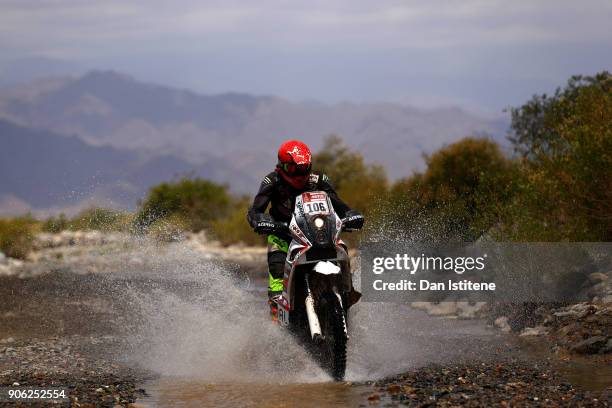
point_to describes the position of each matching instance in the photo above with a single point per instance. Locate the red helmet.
(294, 162)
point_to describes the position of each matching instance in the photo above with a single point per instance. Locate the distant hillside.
(40, 169)
(237, 130)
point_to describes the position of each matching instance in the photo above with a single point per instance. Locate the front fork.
(313, 319)
(311, 314)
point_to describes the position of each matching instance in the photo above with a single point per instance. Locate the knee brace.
(276, 263)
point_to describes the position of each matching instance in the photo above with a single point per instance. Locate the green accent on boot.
(275, 285)
(278, 243)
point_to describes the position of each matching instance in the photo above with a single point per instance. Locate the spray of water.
(201, 321)
(197, 319)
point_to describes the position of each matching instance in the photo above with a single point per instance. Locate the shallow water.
(589, 374)
(176, 392)
(207, 335)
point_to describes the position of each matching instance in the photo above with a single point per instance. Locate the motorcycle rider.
(291, 177)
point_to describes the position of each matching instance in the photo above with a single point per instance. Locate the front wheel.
(335, 337)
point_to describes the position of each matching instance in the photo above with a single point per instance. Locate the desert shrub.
(234, 227)
(461, 194)
(55, 224)
(101, 219)
(360, 185)
(168, 229)
(565, 142)
(17, 235)
(198, 201)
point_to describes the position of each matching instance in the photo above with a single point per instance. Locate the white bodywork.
(327, 268)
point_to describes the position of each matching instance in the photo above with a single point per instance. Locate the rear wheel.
(334, 341)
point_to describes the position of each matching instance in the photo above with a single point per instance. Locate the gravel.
(485, 384)
(73, 362)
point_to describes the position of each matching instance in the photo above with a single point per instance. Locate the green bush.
(168, 229)
(565, 142)
(361, 186)
(100, 219)
(17, 235)
(461, 194)
(358, 184)
(55, 224)
(197, 200)
(234, 227)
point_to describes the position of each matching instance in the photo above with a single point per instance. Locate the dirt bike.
(317, 283)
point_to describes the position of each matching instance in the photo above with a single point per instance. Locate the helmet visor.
(293, 169)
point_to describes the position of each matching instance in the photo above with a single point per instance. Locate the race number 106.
(315, 207)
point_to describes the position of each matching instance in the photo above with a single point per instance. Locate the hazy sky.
(483, 55)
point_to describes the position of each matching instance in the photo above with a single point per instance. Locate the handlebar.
(350, 229)
(272, 227)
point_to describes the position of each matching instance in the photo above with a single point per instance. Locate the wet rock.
(15, 263)
(598, 277)
(533, 331)
(598, 289)
(438, 309)
(393, 388)
(420, 305)
(442, 309)
(568, 329)
(504, 383)
(374, 398)
(5, 270)
(607, 348)
(592, 345)
(470, 311)
(502, 323)
(578, 310)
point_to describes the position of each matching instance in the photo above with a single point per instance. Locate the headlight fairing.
(319, 222)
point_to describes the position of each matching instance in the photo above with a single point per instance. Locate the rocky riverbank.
(580, 328)
(505, 383)
(74, 362)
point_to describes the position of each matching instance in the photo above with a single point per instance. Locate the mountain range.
(104, 138)
(40, 169)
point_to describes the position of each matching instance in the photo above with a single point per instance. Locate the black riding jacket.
(274, 190)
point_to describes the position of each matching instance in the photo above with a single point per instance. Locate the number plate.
(316, 207)
(283, 316)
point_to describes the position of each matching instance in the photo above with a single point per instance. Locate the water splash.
(213, 326)
(197, 319)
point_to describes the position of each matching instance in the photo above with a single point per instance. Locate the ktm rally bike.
(317, 283)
